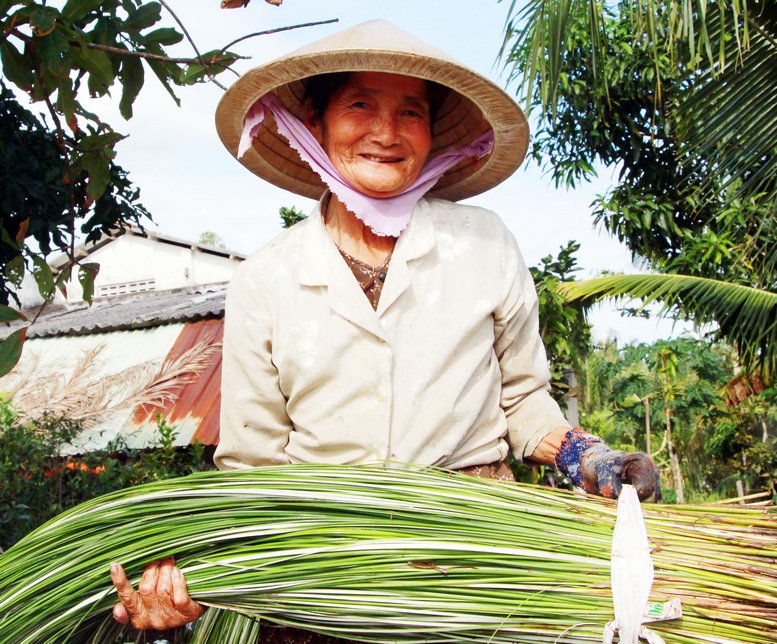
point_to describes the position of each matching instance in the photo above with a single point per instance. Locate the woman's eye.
(416, 114)
(361, 105)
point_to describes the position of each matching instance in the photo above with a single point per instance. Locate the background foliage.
(57, 55)
(58, 175)
(39, 483)
(713, 443)
(680, 97)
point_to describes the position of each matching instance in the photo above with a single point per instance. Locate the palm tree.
(702, 166)
(728, 51)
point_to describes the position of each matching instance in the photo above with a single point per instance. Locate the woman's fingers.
(161, 601)
(164, 583)
(181, 600)
(120, 614)
(147, 588)
(130, 600)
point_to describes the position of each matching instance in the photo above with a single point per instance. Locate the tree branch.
(150, 56)
(275, 31)
(194, 46)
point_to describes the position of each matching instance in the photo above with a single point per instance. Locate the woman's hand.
(590, 464)
(161, 600)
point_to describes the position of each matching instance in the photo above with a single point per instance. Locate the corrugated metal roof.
(138, 311)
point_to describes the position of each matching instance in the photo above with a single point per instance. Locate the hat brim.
(475, 106)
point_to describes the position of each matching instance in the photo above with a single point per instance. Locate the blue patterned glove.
(592, 465)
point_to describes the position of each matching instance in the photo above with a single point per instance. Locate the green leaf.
(62, 279)
(145, 16)
(131, 77)
(106, 31)
(165, 72)
(192, 74)
(86, 275)
(43, 276)
(96, 161)
(7, 314)
(54, 53)
(75, 10)
(99, 66)
(14, 271)
(99, 176)
(15, 67)
(163, 36)
(66, 102)
(216, 62)
(11, 350)
(44, 20)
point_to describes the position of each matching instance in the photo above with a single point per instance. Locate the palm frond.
(730, 118)
(728, 49)
(690, 26)
(689, 31)
(540, 30)
(746, 317)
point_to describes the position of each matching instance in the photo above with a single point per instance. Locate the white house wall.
(57, 357)
(133, 259)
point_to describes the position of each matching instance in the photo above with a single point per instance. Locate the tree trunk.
(646, 400)
(674, 459)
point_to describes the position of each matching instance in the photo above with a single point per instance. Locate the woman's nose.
(384, 130)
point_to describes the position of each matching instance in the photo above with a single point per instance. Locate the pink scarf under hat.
(387, 217)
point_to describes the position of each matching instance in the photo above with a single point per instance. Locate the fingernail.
(114, 568)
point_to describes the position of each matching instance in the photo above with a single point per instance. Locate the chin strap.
(386, 217)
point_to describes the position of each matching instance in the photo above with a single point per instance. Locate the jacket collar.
(321, 265)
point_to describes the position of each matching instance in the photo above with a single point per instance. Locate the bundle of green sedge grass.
(387, 555)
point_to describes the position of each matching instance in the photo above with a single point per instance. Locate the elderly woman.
(393, 324)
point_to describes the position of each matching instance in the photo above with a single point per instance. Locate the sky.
(191, 184)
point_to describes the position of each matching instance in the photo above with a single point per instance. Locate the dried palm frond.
(87, 395)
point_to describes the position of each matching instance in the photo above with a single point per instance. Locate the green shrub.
(38, 482)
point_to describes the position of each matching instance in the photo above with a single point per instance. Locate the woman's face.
(376, 131)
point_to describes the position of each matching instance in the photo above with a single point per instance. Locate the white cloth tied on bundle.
(631, 575)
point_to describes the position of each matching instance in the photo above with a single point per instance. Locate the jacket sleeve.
(254, 424)
(530, 410)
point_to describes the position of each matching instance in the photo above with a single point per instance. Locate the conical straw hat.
(475, 105)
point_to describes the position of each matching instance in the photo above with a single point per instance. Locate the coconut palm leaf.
(539, 29)
(690, 31)
(729, 50)
(730, 117)
(746, 317)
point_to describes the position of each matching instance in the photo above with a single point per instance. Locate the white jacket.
(447, 371)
